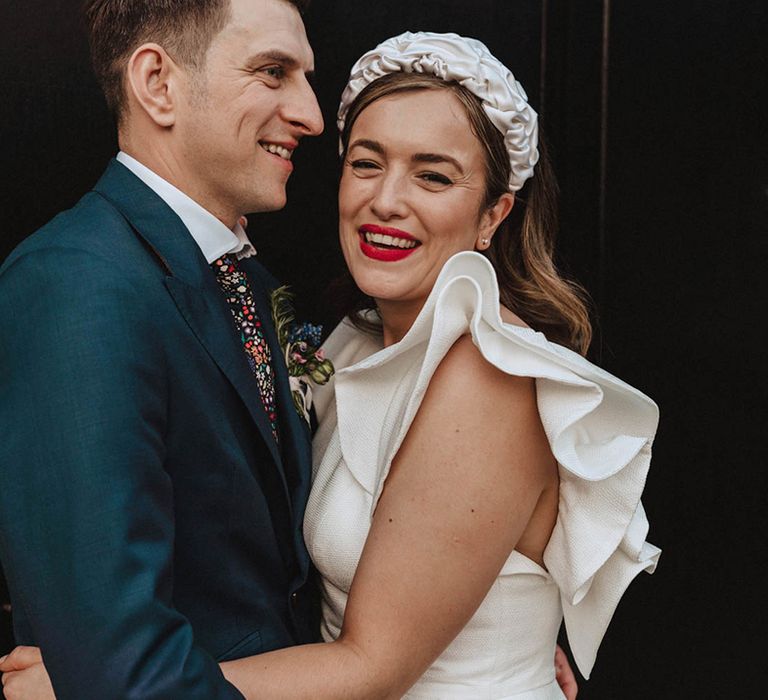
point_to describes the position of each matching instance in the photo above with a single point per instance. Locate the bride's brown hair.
(522, 249)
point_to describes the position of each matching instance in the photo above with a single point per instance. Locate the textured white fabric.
(600, 430)
(469, 63)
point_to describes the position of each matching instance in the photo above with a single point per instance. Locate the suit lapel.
(295, 437)
(211, 322)
(192, 285)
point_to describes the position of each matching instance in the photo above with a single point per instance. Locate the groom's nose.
(303, 111)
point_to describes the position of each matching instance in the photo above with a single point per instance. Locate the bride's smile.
(412, 195)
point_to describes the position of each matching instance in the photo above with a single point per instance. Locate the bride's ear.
(491, 219)
(153, 83)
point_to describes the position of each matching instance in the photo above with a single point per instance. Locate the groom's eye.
(273, 74)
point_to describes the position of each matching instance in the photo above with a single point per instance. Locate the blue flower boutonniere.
(301, 348)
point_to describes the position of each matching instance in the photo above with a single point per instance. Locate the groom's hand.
(24, 675)
(564, 675)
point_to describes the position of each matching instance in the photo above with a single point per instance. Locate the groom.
(154, 471)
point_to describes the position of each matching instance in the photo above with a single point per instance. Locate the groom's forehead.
(267, 28)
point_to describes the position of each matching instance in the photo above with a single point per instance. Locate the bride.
(476, 479)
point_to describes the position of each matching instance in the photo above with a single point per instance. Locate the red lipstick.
(388, 254)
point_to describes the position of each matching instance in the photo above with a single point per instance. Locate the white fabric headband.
(469, 63)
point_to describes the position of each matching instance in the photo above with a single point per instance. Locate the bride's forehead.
(435, 115)
(418, 100)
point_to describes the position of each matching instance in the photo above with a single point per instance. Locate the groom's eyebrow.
(285, 60)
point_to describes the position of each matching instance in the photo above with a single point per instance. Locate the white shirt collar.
(210, 234)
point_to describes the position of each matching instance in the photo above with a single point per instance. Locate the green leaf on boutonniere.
(281, 301)
(303, 355)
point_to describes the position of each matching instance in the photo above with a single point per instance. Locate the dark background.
(655, 112)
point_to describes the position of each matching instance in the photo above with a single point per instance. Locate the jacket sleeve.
(86, 507)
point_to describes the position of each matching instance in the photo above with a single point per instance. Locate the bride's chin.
(379, 284)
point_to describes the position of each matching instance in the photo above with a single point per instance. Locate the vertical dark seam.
(601, 224)
(543, 58)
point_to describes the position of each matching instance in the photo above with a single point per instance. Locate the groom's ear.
(153, 83)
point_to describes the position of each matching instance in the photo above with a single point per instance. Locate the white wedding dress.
(600, 430)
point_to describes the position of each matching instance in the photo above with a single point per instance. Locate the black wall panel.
(655, 116)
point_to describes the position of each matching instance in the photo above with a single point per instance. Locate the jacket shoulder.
(93, 227)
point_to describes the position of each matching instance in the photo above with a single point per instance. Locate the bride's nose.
(389, 198)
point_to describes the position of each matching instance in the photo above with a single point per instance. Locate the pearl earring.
(484, 241)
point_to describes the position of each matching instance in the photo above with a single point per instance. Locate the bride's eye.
(364, 167)
(433, 178)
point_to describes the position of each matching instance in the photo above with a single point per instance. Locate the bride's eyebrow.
(371, 145)
(437, 158)
(376, 147)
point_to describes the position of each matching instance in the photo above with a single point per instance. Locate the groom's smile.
(243, 115)
(283, 152)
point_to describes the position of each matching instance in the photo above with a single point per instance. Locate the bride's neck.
(397, 317)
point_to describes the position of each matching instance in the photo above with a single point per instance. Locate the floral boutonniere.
(301, 348)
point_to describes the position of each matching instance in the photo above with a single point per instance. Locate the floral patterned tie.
(237, 291)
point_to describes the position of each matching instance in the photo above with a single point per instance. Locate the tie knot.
(228, 274)
(225, 265)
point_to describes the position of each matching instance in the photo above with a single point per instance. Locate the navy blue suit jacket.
(149, 524)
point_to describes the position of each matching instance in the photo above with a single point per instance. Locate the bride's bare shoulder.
(511, 317)
(466, 378)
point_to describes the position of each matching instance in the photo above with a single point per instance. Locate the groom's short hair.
(185, 28)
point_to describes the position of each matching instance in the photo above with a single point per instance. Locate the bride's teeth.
(385, 239)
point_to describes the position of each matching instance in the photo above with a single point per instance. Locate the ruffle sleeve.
(600, 430)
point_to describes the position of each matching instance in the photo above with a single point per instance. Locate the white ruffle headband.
(469, 63)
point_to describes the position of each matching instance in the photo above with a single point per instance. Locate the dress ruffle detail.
(600, 430)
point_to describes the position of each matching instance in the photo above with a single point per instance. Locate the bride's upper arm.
(460, 493)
